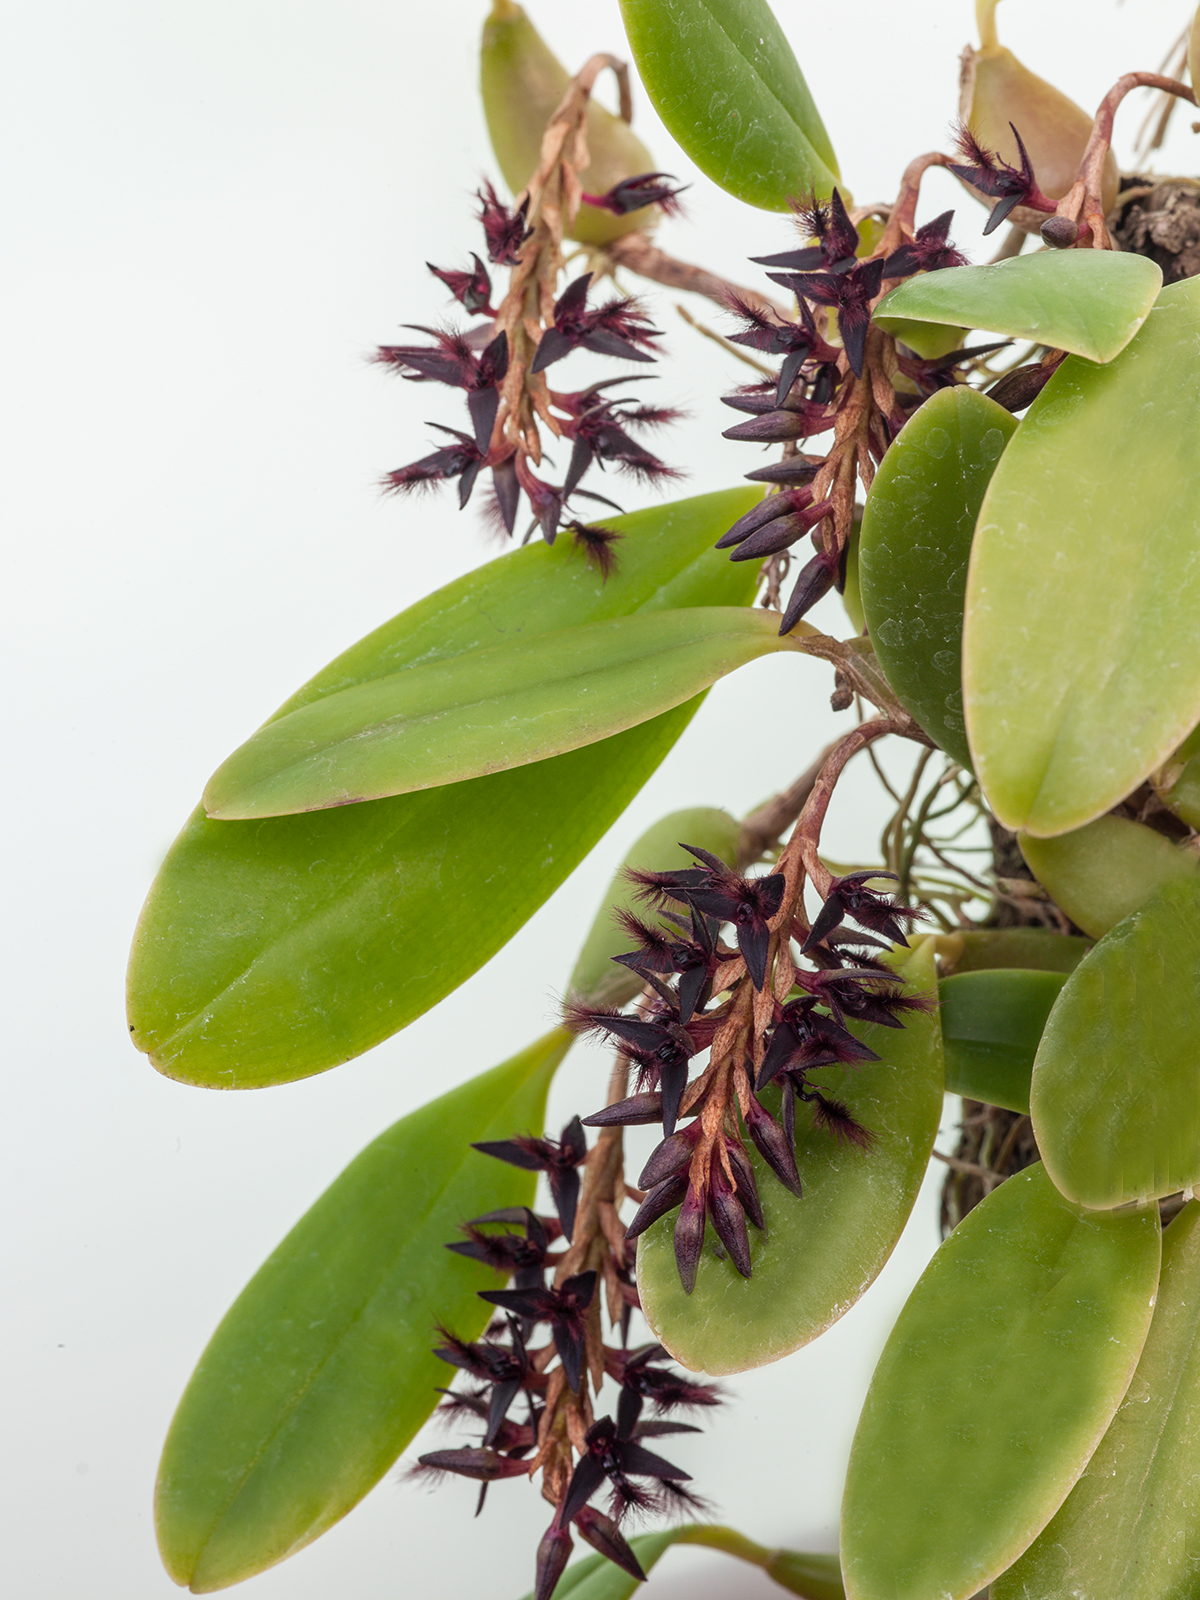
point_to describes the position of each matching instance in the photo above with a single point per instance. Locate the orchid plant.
(939, 431)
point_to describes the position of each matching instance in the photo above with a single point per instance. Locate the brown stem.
(1082, 203)
(761, 829)
(903, 216)
(635, 251)
(806, 837)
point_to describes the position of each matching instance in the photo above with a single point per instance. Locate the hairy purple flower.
(607, 1455)
(473, 290)
(461, 460)
(715, 890)
(631, 194)
(661, 1049)
(929, 250)
(796, 342)
(849, 293)
(805, 1039)
(850, 896)
(565, 1309)
(837, 239)
(694, 960)
(1009, 186)
(504, 231)
(558, 1159)
(617, 328)
(521, 1256)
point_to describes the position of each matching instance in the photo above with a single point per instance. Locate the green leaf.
(996, 1384)
(916, 541)
(270, 950)
(1113, 1099)
(1130, 1528)
(722, 76)
(322, 1370)
(487, 711)
(1080, 671)
(597, 977)
(1100, 874)
(819, 1253)
(992, 1024)
(1090, 302)
(980, 949)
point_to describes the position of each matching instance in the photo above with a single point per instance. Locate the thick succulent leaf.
(487, 711)
(1089, 302)
(1114, 1104)
(916, 541)
(1130, 1528)
(724, 80)
(270, 950)
(996, 1384)
(1101, 874)
(1080, 672)
(521, 84)
(981, 949)
(322, 1370)
(820, 1252)
(813, 1577)
(597, 977)
(992, 1023)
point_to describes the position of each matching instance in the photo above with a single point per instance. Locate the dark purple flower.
(602, 1534)
(565, 1309)
(473, 290)
(450, 359)
(850, 896)
(793, 470)
(850, 294)
(483, 1464)
(661, 1049)
(837, 238)
(1008, 186)
(805, 1039)
(558, 1159)
(506, 1369)
(619, 1460)
(504, 231)
(694, 960)
(617, 328)
(1021, 387)
(461, 460)
(773, 1144)
(642, 1381)
(598, 432)
(863, 994)
(521, 1256)
(929, 250)
(940, 372)
(715, 890)
(796, 342)
(553, 1553)
(631, 194)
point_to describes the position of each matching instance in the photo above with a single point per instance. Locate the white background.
(214, 209)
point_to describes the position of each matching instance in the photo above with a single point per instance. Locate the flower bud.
(522, 83)
(997, 90)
